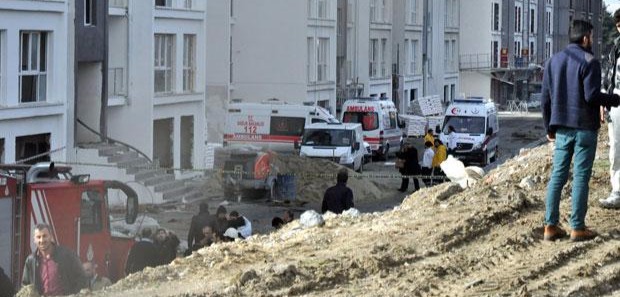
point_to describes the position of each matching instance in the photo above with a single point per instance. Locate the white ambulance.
(337, 142)
(379, 119)
(476, 126)
(272, 124)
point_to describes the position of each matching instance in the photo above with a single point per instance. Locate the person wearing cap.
(339, 197)
(200, 220)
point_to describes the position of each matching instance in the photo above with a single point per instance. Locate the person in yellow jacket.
(429, 136)
(441, 154)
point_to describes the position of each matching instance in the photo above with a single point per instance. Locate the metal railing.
(113, 141)
(485, 61)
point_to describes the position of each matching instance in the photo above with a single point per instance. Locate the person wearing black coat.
(6, 286)
(410, 154)
(203, 218)
(143, 254)
(339, 197)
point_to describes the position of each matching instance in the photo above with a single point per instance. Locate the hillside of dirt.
(484, 241)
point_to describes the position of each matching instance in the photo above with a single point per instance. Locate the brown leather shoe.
(582, 234)
(553, 232)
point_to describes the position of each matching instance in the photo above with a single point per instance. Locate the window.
(549, 28)
(496, 21)
(91, 219)
(517, 48)
(89, 12)
(446, 55)
(547, 50)
(369, 120)
(518, 19)
(323, 9)
(452, 91)
(310, 60)
(187, 4)
(164, 74)
(495, 53)
(374, 43)
(189, 62)
(384, 11)
(413, 12)
(407, 45)
(532, 21)
(465, 124)
(413, 65)
(163, 3)
(322, 59)
(392, 120)
(373, 10)
(384, 57)
(33, 67)
(532, 49)
(454, 56)
(287, 126)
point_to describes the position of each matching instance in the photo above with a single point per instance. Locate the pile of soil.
(314, 176)
(483, 241)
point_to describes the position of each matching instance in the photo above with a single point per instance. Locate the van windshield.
(326, 137)
(369, 120)
(461, 124)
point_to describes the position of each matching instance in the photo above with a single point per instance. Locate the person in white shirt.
(241, 223)
(427, 162)
(451, 139)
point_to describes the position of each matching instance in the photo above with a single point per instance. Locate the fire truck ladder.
(18, 227)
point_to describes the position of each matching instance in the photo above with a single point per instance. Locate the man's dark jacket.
(6, 286)
(71, 273)
(412, 166)
(199, 221)
(142, 254)
(571, 91)
(337, 199)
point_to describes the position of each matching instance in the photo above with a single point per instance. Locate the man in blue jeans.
(571, 99)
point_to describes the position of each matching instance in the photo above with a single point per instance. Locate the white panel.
(6, 233)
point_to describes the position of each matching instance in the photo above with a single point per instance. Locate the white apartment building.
(258, 53)
(36, 79)
(426, 38)
(507, 43)
(156, 74)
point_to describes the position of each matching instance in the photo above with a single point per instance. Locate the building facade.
(156, 74)
(36, 79)
(255, 57)
(508, 41)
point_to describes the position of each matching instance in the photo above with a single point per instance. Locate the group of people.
(152, 250)
(206, 229)
(435, 152)
(571, 103)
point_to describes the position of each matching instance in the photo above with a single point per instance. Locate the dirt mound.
(484, 241)
(314, 176)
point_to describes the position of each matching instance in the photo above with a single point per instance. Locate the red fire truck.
(74, 206)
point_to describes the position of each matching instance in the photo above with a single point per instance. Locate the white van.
(475, 122)
(379, 119)
(273, 124)
(340, 143)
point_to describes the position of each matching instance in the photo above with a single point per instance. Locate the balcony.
(485, 61)
(116, 82)
(118, 3)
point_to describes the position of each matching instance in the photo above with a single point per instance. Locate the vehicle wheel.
(485, 159)
(494, 158)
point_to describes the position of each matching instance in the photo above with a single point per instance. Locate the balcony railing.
(485, 61)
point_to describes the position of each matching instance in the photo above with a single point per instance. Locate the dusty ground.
(484, 241)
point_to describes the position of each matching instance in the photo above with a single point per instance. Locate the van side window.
(91, 219)
(393, 121)
(315, 120)
(287, 126)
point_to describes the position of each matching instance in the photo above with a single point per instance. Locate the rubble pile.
(485, 240)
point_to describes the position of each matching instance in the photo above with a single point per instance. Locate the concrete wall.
(218, 67)
(269, 57)
(88, 100)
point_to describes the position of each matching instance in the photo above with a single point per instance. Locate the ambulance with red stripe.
(379, 119)
(270, 125)
(76, 209)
